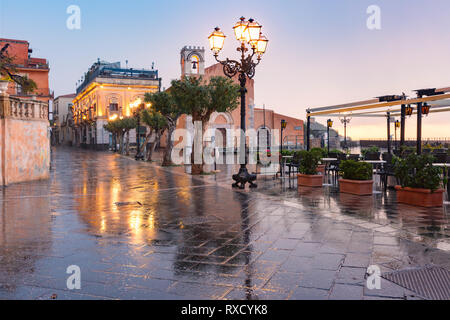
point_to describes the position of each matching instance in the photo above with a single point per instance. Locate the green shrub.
(418, 172)
(336, 151)
(370, 150)
(320, 152)
(354, 170)
(308, 162)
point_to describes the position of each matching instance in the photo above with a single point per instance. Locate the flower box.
(356, 187)
(420, 197)
(307, 180)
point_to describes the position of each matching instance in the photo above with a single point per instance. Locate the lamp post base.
(244, 177)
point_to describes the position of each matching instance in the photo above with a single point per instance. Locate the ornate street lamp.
(345, 121)
(248, 33)
(329, 126)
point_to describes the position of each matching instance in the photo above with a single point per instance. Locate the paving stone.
(356, 260)
(297, 264)
(351, 275)
(283, 281)
(328, 261)
(319, 279)
(302, 293)
(346, 292)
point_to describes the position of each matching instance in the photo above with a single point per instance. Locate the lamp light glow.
(216, 40)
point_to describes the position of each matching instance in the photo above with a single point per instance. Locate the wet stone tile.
(297, 264)
(275, 256)
(346, 292)
(328, 261)
(283, 281)
(356, 260)
(351, 275)
(302, 293)
(285, 244)
(319, 279)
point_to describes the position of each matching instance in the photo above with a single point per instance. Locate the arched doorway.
(264, 139)
(220, 125)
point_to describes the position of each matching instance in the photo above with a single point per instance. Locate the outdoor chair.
(387, 170)
(335, 165)
(332, 166)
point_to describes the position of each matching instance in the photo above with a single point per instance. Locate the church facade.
(264, 122)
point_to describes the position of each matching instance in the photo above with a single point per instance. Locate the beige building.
(63, 120)
(108, 92)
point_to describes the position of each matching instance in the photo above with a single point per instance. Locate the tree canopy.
(9, 72)
(201, 100)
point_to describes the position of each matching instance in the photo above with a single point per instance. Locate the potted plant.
(307, 176)
(371, 153)
(420, 182)
(356, 178)
(320, 153)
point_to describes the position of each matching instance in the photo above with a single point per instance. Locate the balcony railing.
(25, 109)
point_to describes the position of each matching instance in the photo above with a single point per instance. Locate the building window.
(19, 90)
(113, 107)
(69, 108)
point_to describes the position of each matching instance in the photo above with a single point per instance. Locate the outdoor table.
(283, 164)
(375, 161)
(445, 172)
(329, 159)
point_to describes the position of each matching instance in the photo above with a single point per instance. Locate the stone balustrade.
(25, 109)
(24, 140)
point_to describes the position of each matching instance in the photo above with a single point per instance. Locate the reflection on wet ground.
(138, 231)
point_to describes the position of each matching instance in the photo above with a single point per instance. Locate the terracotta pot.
(307, 180)
(420, 197)
(321, 169)
(357, 187)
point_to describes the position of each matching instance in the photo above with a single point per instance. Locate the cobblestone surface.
(138, 231)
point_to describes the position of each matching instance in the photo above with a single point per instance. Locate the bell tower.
(192, 61)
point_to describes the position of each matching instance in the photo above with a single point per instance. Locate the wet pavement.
(138, 231)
